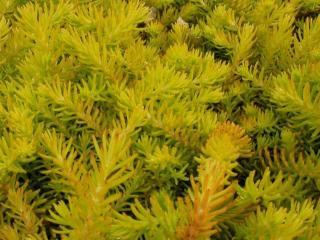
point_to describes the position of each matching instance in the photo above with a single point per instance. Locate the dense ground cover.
(159, 119)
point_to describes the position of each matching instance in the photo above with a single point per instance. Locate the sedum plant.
(159, 119)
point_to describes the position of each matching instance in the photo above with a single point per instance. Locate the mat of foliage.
(159, 119)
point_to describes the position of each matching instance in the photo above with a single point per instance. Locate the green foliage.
(159, 119)
(279, 223)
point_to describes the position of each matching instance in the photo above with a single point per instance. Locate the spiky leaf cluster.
(159, 119)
